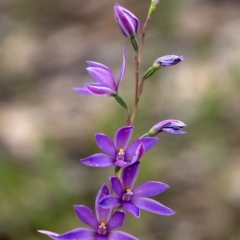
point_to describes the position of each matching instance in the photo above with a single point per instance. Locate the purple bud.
(127, 22)
(170, 126)
(168, 60)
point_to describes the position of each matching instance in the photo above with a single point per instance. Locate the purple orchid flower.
(127, 21)
(135, 199)
(102, 224)
(106, 85)
(170, 126)
(118, 152)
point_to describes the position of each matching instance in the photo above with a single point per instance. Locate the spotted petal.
(98, 160)
(78, 233)
(106, 144)
(122, 137)
(133, 209)
(116, 220)
(110, 202)
(116, 186)
(119, 235)
(129, 175)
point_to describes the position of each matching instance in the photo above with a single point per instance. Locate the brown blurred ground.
(45, 128)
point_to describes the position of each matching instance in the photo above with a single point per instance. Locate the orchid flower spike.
(128, 23)
(165, 61)
(134, 199)
(102, 224)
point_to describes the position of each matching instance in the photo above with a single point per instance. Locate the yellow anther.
(121, 150)
(102, 224)
(127, 190)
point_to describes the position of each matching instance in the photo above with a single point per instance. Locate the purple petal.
(116, 220)
(110, 202)
(171, 126)
(78, 233)
(122, 71)
(98, 160)
(103, 76)
(82, 91)
(122, 137)
(101, 237)
(106, 144)
(52, 235)
(103, 215)
(116, 186)
(122, 164)
(132, 148)
(169, 60)
(119, 235)
(129, 175)
(86, 215)
(98, 65)
(138, 154)
(153, 206)
(130, 207)
(100, 90)
(149, 142)
(149, 189)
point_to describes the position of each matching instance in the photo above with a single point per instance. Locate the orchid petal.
(119, 235)
(138, 154)
(132, 148)
(149, 189)
(110, 202)
(122, 137)
(98, 160)
(103, 76)
(106, 144)
(149, 142)
(116, 186)
(100, 90)
(153, 206)
(98, 65)
(82, 91)
(78, 233)
(132, 158)
(130, 207)
(86, 215)
(122, 71)
(103, 215)
(129, 175)
(122, 164)
(116, 220)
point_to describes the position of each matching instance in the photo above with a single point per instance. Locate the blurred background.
(45, 127)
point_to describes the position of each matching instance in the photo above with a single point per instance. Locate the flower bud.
(165, 61)
(127, 21)
(170, 126)
(168, 60)
(153, 7)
